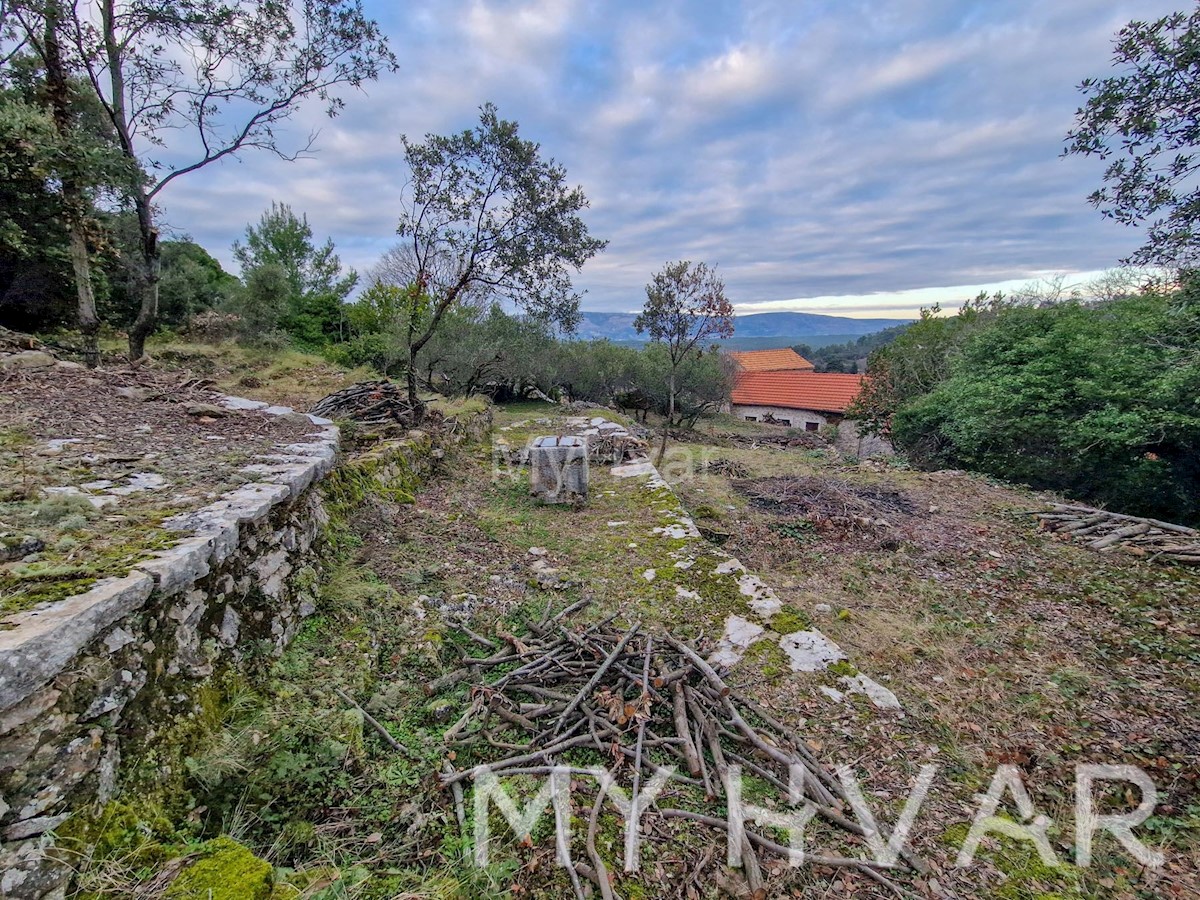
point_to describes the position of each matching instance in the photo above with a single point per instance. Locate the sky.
(834, 156)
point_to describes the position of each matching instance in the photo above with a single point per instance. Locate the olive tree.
(685, 307)
(486, 217)
(188, 83)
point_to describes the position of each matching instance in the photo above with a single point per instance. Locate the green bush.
(1101, 402)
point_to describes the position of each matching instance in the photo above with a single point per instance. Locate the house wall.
(797, 417)
(853, 441)
(850, 439)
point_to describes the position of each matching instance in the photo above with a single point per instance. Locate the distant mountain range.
(793, 327)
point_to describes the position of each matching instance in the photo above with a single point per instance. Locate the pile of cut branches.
(827, 502)
(804, 440)
(730, 467)
(615, 448)
(369, 403)
(1107, 531)
(642, 705)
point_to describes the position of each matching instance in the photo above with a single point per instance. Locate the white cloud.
(815, 150)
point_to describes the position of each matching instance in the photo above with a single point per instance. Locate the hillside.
(959, 635)
(792, 327)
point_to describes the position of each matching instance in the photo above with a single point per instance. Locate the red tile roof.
(796, 390)
(786, 359)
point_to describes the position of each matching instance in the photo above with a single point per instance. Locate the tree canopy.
(485, 216)
(1099, 401)
(186, 84)
(312, 309)
(1145, 122)
(685, 306)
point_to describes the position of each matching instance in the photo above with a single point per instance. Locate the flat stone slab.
(44, 640)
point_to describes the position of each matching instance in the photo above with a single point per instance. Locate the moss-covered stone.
(789, 621)
(225, 870)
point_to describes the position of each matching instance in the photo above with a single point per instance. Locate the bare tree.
(685, 306)
(208, 78)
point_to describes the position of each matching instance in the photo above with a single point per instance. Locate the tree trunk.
(662, 448)
(414, 402)
(74, 202)
(146, 278)
(89, 322)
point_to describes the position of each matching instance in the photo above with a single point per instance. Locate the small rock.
(27, 359)
(56, 445)
(208, 410)
(823, 608)
(538, 551)
(25, 547)
(132, 393)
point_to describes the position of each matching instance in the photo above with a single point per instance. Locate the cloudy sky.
(838, 156)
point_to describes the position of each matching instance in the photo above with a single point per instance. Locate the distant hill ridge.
(619, 326)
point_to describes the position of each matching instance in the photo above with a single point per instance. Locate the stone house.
(780, 387)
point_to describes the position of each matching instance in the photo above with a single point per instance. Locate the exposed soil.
(1006, 645)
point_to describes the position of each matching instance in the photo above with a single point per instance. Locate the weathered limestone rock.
(209, 410)
(559, 469)
(27, 359)
(44, 640)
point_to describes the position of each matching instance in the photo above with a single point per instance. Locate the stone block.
(45, 640)
(181, 566)
(559, 469)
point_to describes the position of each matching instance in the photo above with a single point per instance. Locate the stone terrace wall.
(118, 671)
(84, 680)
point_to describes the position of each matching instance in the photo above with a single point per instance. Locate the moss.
(61, 507)
(226, 870)
(139, 835)
(789, 621)
(386, 472)
(768, 658)
(1026, 876)
(51, 578)
(843, 669)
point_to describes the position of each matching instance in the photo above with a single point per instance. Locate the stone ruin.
(558, 469)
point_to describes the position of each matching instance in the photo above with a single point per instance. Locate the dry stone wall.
(102, 674)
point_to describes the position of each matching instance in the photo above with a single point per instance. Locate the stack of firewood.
(615, 448)
(635, 702)
(729, 467)
(368, 403)
(1106, 531)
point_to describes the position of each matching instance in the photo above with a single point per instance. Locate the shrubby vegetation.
(1099, 400)
(488, 351)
